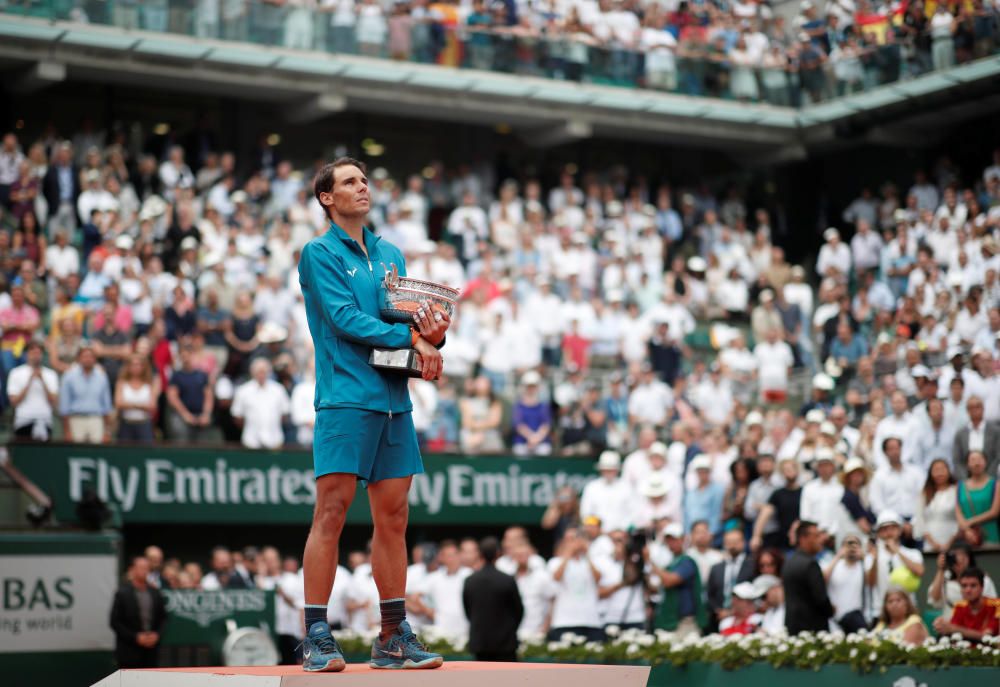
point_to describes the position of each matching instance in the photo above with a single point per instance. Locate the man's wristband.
(414, 337)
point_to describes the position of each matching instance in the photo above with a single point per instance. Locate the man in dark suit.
(61, 188)
(137, 617)
(736, 567)
(493, 605)
(807, 606)
(978, 435)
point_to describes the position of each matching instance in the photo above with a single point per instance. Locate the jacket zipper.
(371, 273)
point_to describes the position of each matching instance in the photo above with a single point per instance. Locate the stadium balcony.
(549, 90)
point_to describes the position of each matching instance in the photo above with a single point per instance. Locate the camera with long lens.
(634, 563)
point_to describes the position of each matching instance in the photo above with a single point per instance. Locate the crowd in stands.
(741, 50)
(594, 587)
(153, 292)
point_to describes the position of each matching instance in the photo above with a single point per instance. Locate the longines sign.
(204, 608)
(165, 484)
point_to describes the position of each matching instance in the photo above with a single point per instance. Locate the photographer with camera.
(681, 609)
(575, 579)
(945, 591)
(622, 587)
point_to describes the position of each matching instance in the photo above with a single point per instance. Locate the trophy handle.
(391, 276)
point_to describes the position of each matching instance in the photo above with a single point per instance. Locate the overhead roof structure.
(314, 84)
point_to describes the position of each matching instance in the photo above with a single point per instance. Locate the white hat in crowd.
(609, 460)
(830, 234)
(824, 454)
(823, 382)
(746, 591)
(673, 529)
(887, 517)
(657, 447)
(531, 378)
(701, 462)
(815, 415)
(272, 333)
(697, 264)
(655, 486)
(828, 428)
(764, 583)
(753, 419)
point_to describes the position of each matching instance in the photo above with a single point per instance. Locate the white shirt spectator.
(303, 410)
(610, 501)
(261, 407)
(886, 564)
(625, 605)
(62, 261)
(891, 426)
(575, 603)
(536, 590)
(651, 402)
(442, 591)
(936, 518)
(336, 607)
(773, 362)
(287, 615)
(896, 490)
(838, 258)
(866, 250)
(846, 586)
(34, 407)
(821, 502)
(364, 591)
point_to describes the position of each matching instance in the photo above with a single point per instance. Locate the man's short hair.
(323, 181)
(488, 548)
(32, 344)
(447, 544)
(885, 442)
(803, 528)
(973, 572)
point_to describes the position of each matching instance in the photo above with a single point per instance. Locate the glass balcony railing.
(727, 62)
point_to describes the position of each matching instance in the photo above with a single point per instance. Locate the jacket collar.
(369, 237)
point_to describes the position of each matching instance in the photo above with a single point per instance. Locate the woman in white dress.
(935, 520)
(372, 29)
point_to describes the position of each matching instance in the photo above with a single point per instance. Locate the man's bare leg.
(334, 494)
(390, 511)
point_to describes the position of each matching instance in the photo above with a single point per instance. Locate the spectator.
(136, 396)
(978, 503)
(535, 587)
(481, 414)
(735, 568)
(783, 506)
(261, 405)
(608, 497)
(900, 621)
(807, 606)
(744, 619)
(492, 603)
(773, 606)
(575, 581)
(886, 556)
(85, 400)
(33, 391)
(774, 365)
(895, 486)
(19, 321)
(681, 609)
(855, 477)
(532, 419)
(621, 587)
(138, 615)
(704, 502)
(944, 590)
(191, 400)
(111, 344)
(847, 586)
(975, 616)
(822, 496)
(701, 551)
(978, 435)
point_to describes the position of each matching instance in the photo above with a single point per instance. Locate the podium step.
(456, 674)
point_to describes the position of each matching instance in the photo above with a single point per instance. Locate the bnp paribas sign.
(183, 485)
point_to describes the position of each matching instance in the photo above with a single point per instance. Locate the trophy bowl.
(404, 295)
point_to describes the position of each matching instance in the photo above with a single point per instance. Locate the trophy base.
(404, 361)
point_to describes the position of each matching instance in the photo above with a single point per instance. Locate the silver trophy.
(401, 297)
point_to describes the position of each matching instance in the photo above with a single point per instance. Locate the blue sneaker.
(403, 650)
(320, 651)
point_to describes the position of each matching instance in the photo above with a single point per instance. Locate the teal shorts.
(366, 444)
